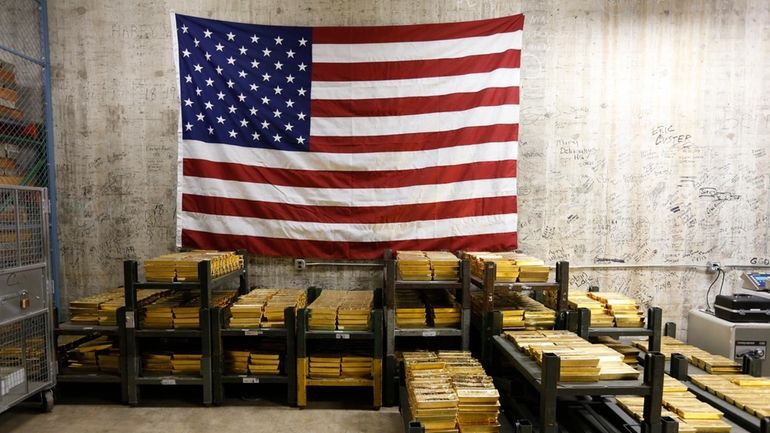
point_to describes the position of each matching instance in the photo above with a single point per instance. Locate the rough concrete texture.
(644, 134)
(122, 419)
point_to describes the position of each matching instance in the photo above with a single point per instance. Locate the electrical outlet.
(299, 264)
(713, 267)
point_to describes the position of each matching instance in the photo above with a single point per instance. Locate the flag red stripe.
(505, 241)
(416, 141)
(348, 215)
(416, 32)
(414, 105)
(374, 71)
(349, 179)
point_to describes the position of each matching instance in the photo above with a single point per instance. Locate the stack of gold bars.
(186, 364)
(444, 266)
(444, 311)
(506, 271)
(678, 403)
(410, 309)
(157, 364)
(519, 311)
(600, 318)
(745, 392)
(85, 311)
(624, 310)
(246, 312)
(325, 366)
(450, 392)
(264, 363)
(630, 353)
(580, 361)
(323, 310)
(180, 310)
(414, 266)
(356, 366)
(159, 314)
(714, 364)
(86, 357)
(278, 302)
(184, 266)
(354, 310)
(237, 361)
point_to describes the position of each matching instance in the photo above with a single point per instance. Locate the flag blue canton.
(247, 85)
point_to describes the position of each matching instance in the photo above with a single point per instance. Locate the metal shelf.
(178, 285)
(170, 380)
(69, 328)
(254, 379)
(168, 333)
(428, 332)
(88, 378)
(478, 282)
(339, 335)
(254, 332)
(342, 381)
(427, 285)
(620, 332)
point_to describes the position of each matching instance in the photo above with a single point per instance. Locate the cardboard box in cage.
(10, 378)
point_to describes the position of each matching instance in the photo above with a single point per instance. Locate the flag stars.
(278, 66)
(243, 50)
(219, 70)
(265, 77)
(220, 96)
(265, 124)
(290, 78)
(255, 136)
(207, 34)
(278, 90)
(220, 120)
(241, 97)
(289, 54)
(243, 74)
(233, 133)
(244, 123)
(265, 100)
(232, 109)
(254, 39)
(277, 113)
(302, 42)
(301, 91)
(230, 84)
(255, 64)
(289, 127)
(188, 102)
(208, 56)
(211, 130)
(301, 115)
(208, 105)
(209, 82)
(230, 36)
(188, 78)
(266, 52)
(200, 117)
(219, 46)
(198, 91)
(253, 111)
(253, 87)
(184, 28)
(231, 60)
(188, 126)
(277, 138)
(198, 68)
(300, 140)
(290, 103)
(186, 53)
(196, 42)
(279, 40)
(302, 66)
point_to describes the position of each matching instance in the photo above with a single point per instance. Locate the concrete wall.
(644, 139)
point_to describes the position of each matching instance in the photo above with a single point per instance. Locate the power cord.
(708, 292)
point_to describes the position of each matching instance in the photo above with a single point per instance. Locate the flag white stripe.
(216, 152)
(432, 86)
(350, 197)
(422, 50)
(431, 122)
(467, 226)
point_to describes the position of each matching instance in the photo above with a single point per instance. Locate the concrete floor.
(122, 419)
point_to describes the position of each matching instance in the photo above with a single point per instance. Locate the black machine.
(742, 308)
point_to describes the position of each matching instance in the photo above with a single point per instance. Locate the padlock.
(24, 300)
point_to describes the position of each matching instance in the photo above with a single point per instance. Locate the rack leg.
(653, 377)
(377, 382)
(301, 382)
(669, 425)
(551, 369)
(764, 425)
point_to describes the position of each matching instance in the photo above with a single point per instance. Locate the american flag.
(338, 142)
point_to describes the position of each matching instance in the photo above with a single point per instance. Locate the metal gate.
(27, 363)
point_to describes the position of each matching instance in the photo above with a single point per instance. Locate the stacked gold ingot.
(624, 309)
(432, 398)
(246, 312)
(323, 310)
(186, 364)
(478, 400)
(109, 360)
(187, 314)
(159, 314)
(630, 353)
(519, 311)
(264, 363)
(281, 300)
(85, 311)
(85, 357)
(580, 361)
(410, 309)
(414, 266)
(747, 393)
(506, 271)
(356, 366)
(634, 406)
(600, 318)
(715, 364)
(157, 364)
(108, 309)
(354, 310)
(325, 366)
(444, 311)
(444, 266)
(531, 269)
(237, 361)
(184, 266)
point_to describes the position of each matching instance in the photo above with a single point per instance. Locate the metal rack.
(220, 334)
(135, 333)
(27, 365)
(489, 322)
(545, 380)
(461, 289)
(373, 335)
(652, 329)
